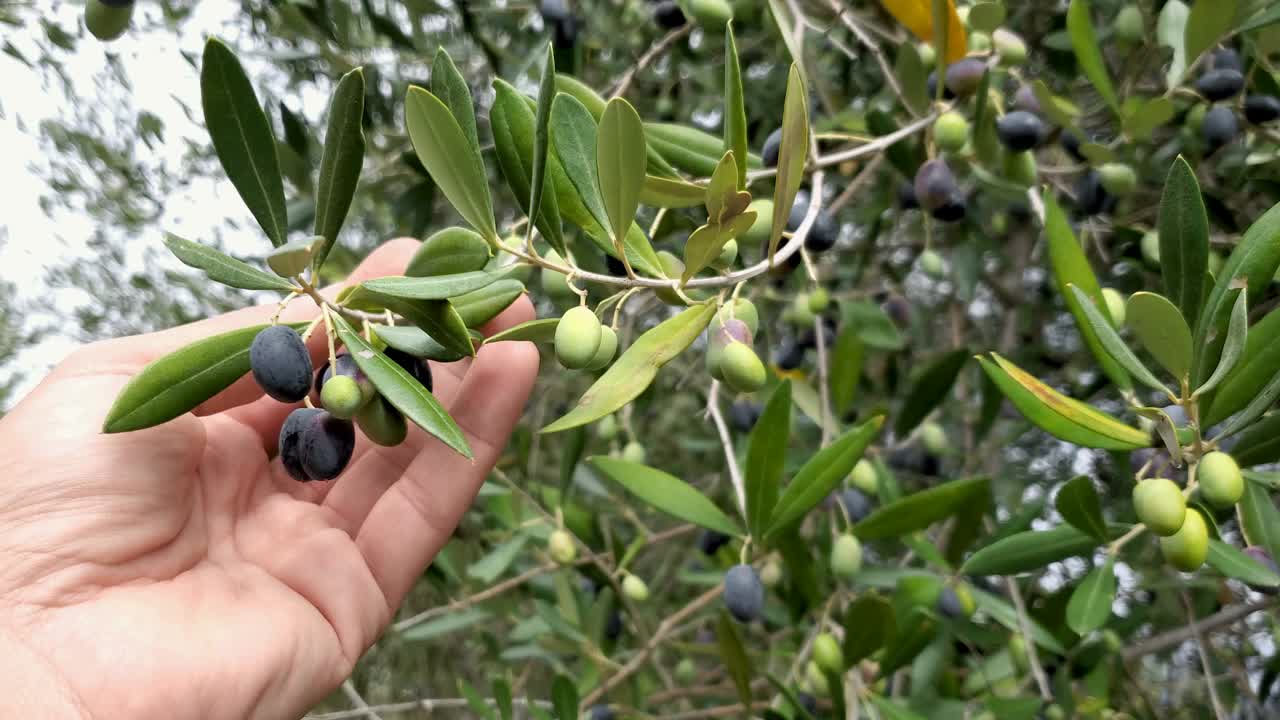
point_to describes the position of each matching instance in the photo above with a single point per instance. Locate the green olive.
(1151, 248)
(607, 350)
(1010, 47)
(741, 368)
(1118, 179)
(107, 21)
(634, 588)
(846, 555)
(819, 299)
(1159, 505)
(934, 438)
(1187, 548)
(382, 423)
(633, 452)
(931, 264)
(561, 548)
(864, 477)
(1220, 480)
(950, 131)
(342, 397)
(578, 337)
(827, 653)
(1128, 25)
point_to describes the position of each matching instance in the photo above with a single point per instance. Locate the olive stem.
(1024, 625)
(1218, 710)
(735, 474)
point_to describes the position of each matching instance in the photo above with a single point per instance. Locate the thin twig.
(648, 57)
(353, 695)
(1033, 654)
(870, 148)
(885, 69)
(1218, 711)
(735, 474)
(425, 704)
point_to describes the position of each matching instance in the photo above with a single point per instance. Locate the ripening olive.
(326, 445)
(907, 196)
(634, 588)
(1225, 58)
(668, 15)
(743, 593)
(607, 350)
(772, 144)
(341, 396)
(827, 653)
(1115, 306)
(1160, 505)
(1025, 99)
(633, 452)
(1220, 127)
(964, 76)
(108, 19)
(741, 367)
(863, 477)
(846, 555)
(290, 441)
(1220, 84)
(382, 423)
(931, 88)
(1128, 25)
(956, 602)
(1189, 546)
(345, 365)
(1261, 109)
(578, 337)
(710, 542)
(1019, 130)
(1091, 197)
(719, 336)
(561, 548)
(281, 363)
(856, 504)
(1220, 480)
(935, 184)
(741, 309)
(950, 131)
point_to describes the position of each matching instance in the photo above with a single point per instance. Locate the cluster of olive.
(1162, 507)
(317, 443)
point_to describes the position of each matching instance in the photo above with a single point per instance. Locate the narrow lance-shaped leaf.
(541, 134)
(821, 474)
(340, 164)
(450, 87)
(631, 373)
(242, 138)
(543, 330)
(223, 268)
(1256, 366)
(1112, 343)
(1084, 40)
(447, 155)
(1057, 414)
(401, 390)
(1259, 518)
(1232, 562)
(929, 390)
(766, 456)
(705, 243)
(438, 318)
(1071, 267)
(667, 493)
(792, 151)
(1237, 335)
(1260, 403)
(620, 162)
(1090, 603)
(1028, 551)
(416, 342)
(573, 136)
(1079, 505)
(920, 510)
(564, 698)
(178, 382)
(480, 306)
(735, 113)
(437, 287)
(514, 127)
(292, 258)
(735, 657)
(1183, 229)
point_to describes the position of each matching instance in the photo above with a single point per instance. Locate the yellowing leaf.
(917, 16)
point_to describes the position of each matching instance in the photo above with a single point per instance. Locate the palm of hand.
(178, 572)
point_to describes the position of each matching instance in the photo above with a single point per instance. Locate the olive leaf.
(1116, 348)
(573, 138)
(766, 457)
(450, 87)
(1184, 240)
(449, 251)
(1162, 331)
(735, 657)
(1057, 414)
(706, 242)
(792, 152)
(929, 390)
(1084, 40)
(415, 342)
(1256, 366)
(1090, 603)
(480, 306)
(817, 477)
(543, 331)
(1078, 503)
(620, 164)
(1032, 550)
(400, 389)
(735, 113)
(438, 318)
(178, 382)
(542, 138)
(920, 510)
(242, 138)
(631, 373)
(1233, 344)
(515, 142)
(436, 287)
(224, 268)
(451, 160)
(341, 161)
(671, 193)
(689, 140)
(1208, 21)
(1234, 563)
(667, 493)
(292, 258)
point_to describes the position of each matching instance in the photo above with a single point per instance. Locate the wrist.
(31, 686)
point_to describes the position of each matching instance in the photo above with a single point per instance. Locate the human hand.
(178, 572)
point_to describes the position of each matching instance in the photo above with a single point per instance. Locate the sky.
(162, 80)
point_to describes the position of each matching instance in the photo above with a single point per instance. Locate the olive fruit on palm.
(668, 15)
(382, 423)
(108, 19)
(634, 588)
(1220, 480)
(1160, 505)
(1261, 109)
(327, 445)
(963, 76)
(769, 153)
(341, 396)
(281, 363)
(741, 368)
(1220, 127)
(561, 548)
(743, 593)
(1019, 130)
(290, 441)
(956, 602)
(607, 350)
(950, 131)
(578, 337)
(846, 555)
(827, 653)
(344, 365)
(1220, 84)
(1187, 549)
